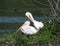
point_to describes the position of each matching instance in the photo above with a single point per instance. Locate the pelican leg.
(29, 36)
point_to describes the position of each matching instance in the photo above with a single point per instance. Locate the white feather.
(37, 24)
(27, 29)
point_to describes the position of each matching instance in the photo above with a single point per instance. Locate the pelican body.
(27, 29)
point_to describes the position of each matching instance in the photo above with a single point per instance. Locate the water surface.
(11, 24)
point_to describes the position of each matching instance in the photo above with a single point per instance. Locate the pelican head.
(28, 13)
(29, 16)
(27, 23)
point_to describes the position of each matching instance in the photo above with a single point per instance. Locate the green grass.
(50, 33)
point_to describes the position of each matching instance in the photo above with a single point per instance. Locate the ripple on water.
(17, 19)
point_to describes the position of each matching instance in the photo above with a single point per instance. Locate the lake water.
(12, 13)
(11, 24)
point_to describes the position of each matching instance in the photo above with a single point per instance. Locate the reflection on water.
(11, 24)
(17, 19)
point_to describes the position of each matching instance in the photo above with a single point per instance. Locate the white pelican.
(37, 24)
(30, 30)
(27, 29)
